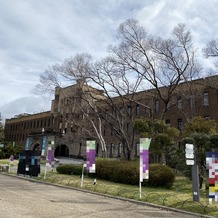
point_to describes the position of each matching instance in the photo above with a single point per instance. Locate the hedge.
(126, 172)
(69, 169)
(160, 176)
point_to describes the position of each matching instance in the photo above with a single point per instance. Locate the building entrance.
(62, 151)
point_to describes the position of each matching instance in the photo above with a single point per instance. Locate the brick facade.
(64, 122)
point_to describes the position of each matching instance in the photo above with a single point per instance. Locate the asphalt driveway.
(22, 197)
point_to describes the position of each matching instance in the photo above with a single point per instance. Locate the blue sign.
(43, 145)
(27, 143)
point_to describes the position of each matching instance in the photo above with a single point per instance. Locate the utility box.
(4, 168)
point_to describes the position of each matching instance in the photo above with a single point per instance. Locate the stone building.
(80, 112)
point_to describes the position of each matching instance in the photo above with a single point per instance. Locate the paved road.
(20, 198)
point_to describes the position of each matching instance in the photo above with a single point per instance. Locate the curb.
(110, 196)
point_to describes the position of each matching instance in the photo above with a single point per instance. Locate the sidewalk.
(61, 160)
(67, 160)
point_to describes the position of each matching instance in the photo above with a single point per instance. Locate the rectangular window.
(112, 131)
(104, 133)
(206, 99)
(119, 149)
(192, 101)
(167, 121)
(113, 112)
(148, 111)
(106, 114)
(128, 127)
(206, 117)
(168, 105)
(157, 106)
(49, 120)
(65, 127)
(129, 110)
(137, 109)
(179, 103)
(137, 149)
(111, 148)
(180, 124)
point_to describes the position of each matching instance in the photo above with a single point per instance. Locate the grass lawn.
(179, 196)
(6, 161)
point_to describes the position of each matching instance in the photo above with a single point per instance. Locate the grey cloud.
(36, 34)
(29, 104)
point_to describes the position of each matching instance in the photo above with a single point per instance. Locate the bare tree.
(109, 108)
(118, 110)
(139, 59)
(211, 49)
(77, 108)
(161, 62)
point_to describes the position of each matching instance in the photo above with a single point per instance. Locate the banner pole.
(45, 172)
(82, 177)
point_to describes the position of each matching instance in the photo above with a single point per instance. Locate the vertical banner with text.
(50, 153)
(27, 143)
(90, 156)
(212, 166)
(144, 158)
(43, 145)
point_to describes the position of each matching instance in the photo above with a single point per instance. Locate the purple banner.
(144, 158)
(50, 156)
(90, 156)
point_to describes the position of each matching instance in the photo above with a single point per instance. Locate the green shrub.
(126, 172)
(160, 176)
(69, 169)
(9, 150)
(105, 168)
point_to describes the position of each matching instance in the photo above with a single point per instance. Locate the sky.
(37, 34)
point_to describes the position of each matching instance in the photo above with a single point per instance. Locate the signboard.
(27, 143)
(189, 146)
(190, 162)
(189, 154)
(43, 145)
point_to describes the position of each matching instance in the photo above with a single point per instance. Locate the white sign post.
(190, 155)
